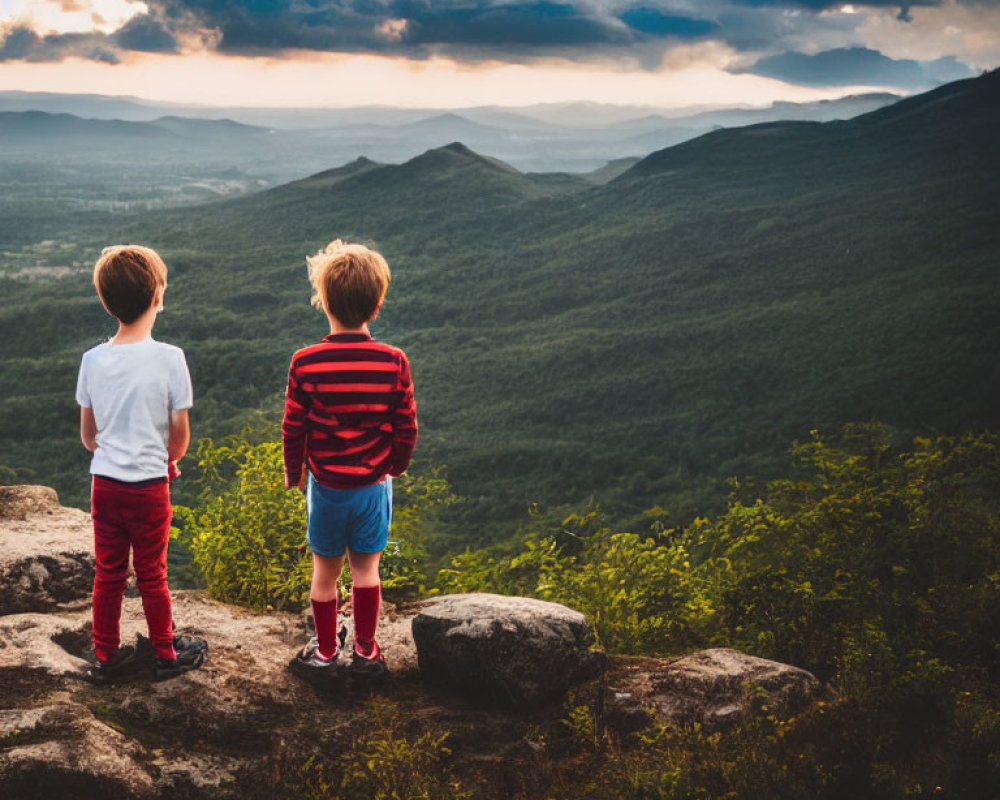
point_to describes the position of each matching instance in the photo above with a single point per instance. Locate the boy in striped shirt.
(350, 426)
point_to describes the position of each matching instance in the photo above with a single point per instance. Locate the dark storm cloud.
(654, 21)
(21, 43)
(820, 5)
(512, 31)
(145, 34)
(474, 29)
(490, 27)
(858, 65)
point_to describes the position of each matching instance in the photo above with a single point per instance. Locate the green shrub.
(247, 532)
(640, 593)
(877, 567)
(390, 760)
(902, 545)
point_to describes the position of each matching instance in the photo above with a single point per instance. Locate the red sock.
(325, 622)
(365, 601)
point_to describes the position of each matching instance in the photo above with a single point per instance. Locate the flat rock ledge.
(715, 688)
(46, 551)
(218, 732)
(514, 650)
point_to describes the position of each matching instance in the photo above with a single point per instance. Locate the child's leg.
(111, 545)
(366, 598)
(367, 542)
(323, 598)
(149, 515)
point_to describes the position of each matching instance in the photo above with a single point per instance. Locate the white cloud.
(392, 30)
(78, 16)
(968, 31)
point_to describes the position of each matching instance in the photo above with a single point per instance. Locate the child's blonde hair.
(349, 282)
(126, 277)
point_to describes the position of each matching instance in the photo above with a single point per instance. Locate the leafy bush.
(875, 544)
(417, 501)
(639, 593)
(387, 762)
(247, 532)
(877, 567)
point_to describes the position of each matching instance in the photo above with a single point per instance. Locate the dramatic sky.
(466, 52)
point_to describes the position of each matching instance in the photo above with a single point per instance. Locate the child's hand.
(173, 471)
(302, 482)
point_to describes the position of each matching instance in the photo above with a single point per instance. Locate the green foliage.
(247, 531)
(247, 534)
(10, 476)
(874, 544)
(386, 762)
(418, 501)
(877, 567)
(640, 593)
(831, 749)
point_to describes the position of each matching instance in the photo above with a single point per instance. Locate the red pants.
(137, 518)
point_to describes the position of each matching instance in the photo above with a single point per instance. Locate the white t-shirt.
(132, 389)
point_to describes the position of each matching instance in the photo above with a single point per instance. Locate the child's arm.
(294, 433)
(88, 428)
(404, 426)
(180, 435)
(180, 397)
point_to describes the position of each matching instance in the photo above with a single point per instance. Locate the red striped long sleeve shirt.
(350, 416)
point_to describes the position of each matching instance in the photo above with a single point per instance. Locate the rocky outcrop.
(242, 726)
(46, 551)
(516, 650)
(205, 734)
(715, 688)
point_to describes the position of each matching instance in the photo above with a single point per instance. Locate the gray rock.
(201, 733)
(515, 650)
(716, 688)
(62, 750)
(46, 551)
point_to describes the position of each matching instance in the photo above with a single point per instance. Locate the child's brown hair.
(126, 277)
(349, 281)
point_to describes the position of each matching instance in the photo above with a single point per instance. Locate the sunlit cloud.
(342, 80)
(968, 31)
(48, 17)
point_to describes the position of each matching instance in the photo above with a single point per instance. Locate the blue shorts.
(338, 519)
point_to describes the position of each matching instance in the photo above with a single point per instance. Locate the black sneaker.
(183, 642)
(309, 664)
(370, 667)
(120, 665)
(190, 655)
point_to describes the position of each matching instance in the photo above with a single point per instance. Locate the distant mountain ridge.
(965, 101)
(567, 137)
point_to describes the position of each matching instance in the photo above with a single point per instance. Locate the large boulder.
(515, 650)
(715, 688)
(46, 551)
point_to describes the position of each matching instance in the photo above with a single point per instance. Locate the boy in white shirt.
(134, 395)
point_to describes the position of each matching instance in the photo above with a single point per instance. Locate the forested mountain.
(640, 340)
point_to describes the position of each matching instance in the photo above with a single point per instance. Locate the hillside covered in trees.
(638, 341)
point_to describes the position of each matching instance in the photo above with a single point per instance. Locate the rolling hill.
(639, 341)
